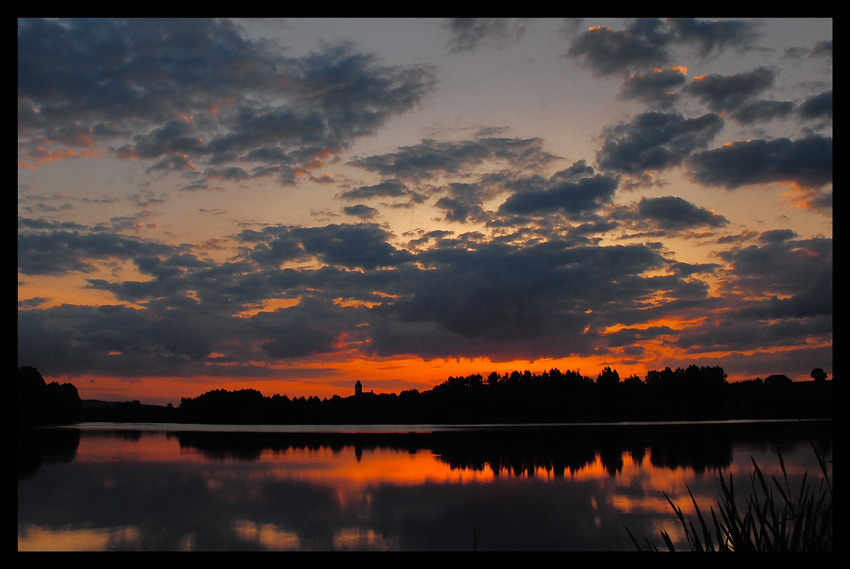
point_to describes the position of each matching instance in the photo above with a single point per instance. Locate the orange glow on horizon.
(336, 373)
(326, 379)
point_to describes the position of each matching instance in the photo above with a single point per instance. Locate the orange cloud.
(127, 154)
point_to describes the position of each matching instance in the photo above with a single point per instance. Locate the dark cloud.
(354, 246)
(116, 70)
(384, 189)
(113, 339)
(789, 282)
(594, 227)
(311, 327)
(51, 335)
(298, 340)
(463, 205)
(575, 191)
(724, 93)
(33, 302)
(465, 201)
(432, 158)
(179, 281)
(360, 210)
(673, 212)
(174, 137)
(228, 173)
(646, 43)
(426, 237)
(655, 141)
(780, 265)
(461, 296)
(491, 165)
(454, 297)
(744, 334)
(714, 35)
(181, 92)
(634, 336)
(817, 106)
(59, 251)
(28, 224)
(823, 49)
(499, 300)
(762, 111)
(658, 87)
(687, 269)
(806, 162)
(776, 236)
(470, 33)
(641, 45)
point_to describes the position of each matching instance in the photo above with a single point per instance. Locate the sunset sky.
(294, 205)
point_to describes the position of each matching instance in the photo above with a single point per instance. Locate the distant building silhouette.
(358, 391)
(777, 379)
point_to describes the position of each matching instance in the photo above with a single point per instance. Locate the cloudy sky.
(294, 205)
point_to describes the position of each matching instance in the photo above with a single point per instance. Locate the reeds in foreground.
(767, 523)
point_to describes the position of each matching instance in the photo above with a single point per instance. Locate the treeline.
(690, 394)
(693, 393)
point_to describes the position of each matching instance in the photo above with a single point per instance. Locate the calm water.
(567, 488)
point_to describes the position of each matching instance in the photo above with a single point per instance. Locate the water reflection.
(571, 488)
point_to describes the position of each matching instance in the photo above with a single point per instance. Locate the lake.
(170, 487)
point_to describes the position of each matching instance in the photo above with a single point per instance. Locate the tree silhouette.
(818, 374)
(608, 377)
(40, 403)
